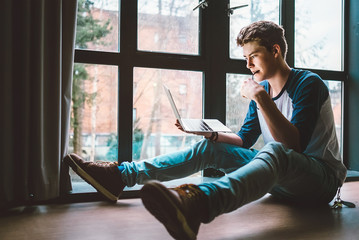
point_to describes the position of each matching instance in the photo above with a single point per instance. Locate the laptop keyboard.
(196, 124)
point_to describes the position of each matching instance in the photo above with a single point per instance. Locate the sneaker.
(105, 177)
(180, 210)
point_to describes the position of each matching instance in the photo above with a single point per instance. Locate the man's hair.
(266, 33)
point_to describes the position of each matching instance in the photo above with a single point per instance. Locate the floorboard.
(128, 219)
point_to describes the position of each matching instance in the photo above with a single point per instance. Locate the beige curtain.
(36, 61)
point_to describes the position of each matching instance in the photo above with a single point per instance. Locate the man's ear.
(276, 49)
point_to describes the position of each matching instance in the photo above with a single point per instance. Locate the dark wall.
(353, 86)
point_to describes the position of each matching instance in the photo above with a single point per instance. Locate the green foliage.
(88, 28)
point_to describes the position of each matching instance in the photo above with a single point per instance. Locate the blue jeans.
(250, 174)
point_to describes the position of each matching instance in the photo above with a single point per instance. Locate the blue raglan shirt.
(305, 102)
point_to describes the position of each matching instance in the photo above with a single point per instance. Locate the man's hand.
(205, 134)
(230, 138)
(250, 89)
(178, 125)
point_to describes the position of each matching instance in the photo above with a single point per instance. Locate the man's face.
(260, 61)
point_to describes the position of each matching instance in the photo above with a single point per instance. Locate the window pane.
(93, 132)
(255, 11)
(97, 25)
(335, 91)
(168, 26)
(236, 105)
(318, 34)
(154, 132)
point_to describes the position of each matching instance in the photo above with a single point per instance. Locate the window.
(335, 91)
(318, 34)
(97, 25)
(168, 26)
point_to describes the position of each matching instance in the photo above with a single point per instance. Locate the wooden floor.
(128, 219)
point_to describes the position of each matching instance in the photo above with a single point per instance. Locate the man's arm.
(282, 130)
(230, 138)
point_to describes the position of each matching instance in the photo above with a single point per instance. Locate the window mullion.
(216, 53)
(287, 20)
(128, 40)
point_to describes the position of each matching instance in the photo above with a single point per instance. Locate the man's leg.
(109, 181)
(182, 209)
(274, 168)
(202, 155)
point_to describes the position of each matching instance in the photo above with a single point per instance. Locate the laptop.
(196, 125)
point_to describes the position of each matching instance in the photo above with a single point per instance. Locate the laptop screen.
(172, 102)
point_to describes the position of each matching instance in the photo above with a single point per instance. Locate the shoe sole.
(155, 197)
(90, 180)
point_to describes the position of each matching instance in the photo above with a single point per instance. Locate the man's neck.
(278, 81)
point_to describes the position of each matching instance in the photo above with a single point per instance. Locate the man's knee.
(209, 147)
(203, 145)
(277, 146)
(274, 153)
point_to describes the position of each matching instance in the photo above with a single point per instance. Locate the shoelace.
(193, 200)
(190, 191)
(102, 163)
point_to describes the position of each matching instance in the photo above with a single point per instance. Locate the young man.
(300, 161)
